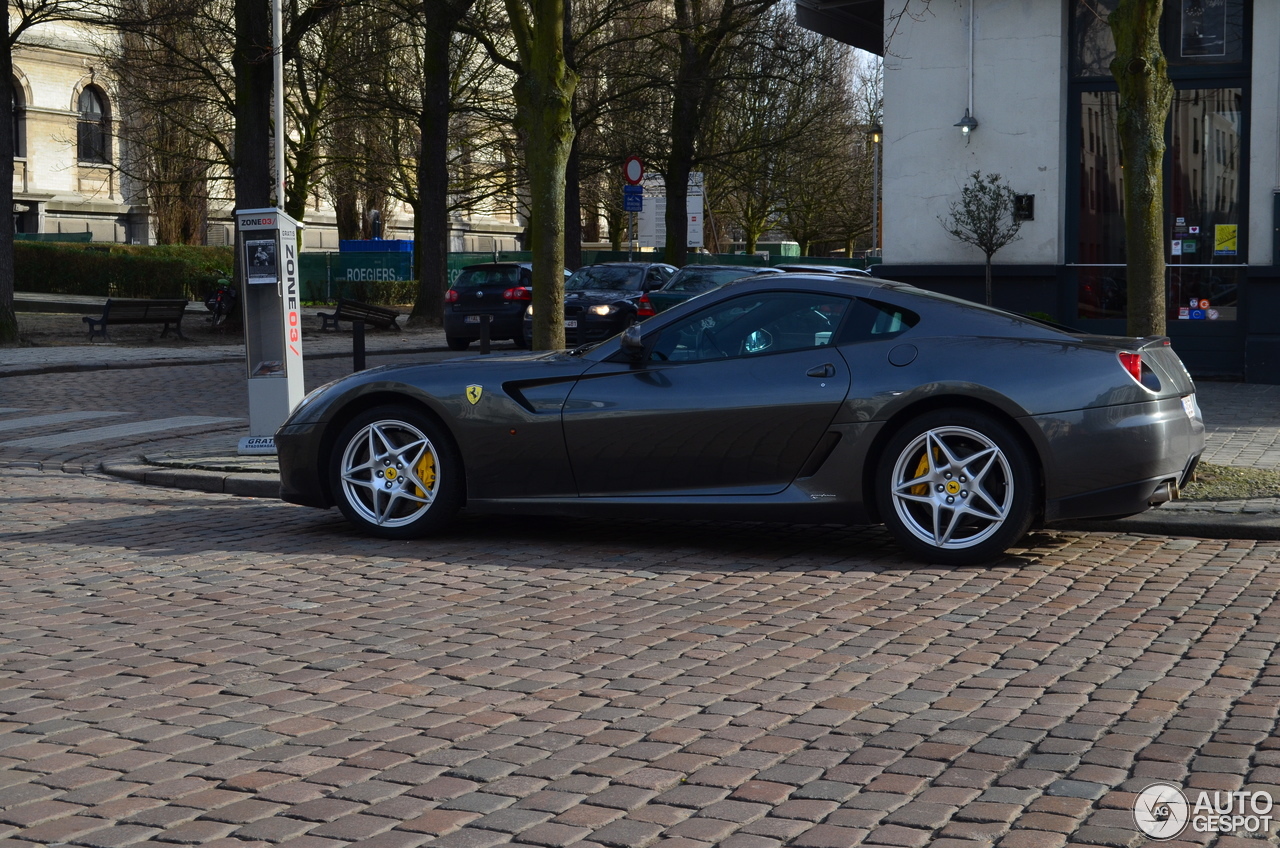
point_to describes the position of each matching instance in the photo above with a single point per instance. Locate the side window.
(655, 278)
(871, 320)
(752, 325)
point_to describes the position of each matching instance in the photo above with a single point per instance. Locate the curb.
(1201, 524)
(217, 482)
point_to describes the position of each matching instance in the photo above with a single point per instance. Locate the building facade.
(1035, 79)
(71, 161)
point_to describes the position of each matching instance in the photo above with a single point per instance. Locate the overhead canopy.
(856, 22)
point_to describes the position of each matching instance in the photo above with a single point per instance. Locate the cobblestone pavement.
(194, 669)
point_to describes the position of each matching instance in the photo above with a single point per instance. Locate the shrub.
(119, 270)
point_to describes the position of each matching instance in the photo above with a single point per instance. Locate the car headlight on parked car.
(602, 309)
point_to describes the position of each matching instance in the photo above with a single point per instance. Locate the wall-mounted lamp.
(967, 124)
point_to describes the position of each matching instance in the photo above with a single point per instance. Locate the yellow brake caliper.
(921, 489)
(426, 473)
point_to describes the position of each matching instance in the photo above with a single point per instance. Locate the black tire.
(456, 343)
(395, 473)
(956, 487)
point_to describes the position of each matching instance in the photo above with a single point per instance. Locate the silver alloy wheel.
(390, 473)
(952, 487)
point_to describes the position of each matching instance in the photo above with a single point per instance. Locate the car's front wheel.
(395, 473)
(956, 486)
(456, 342)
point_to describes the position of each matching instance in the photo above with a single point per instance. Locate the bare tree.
(702, 36)
(983, 217)
(787, 100)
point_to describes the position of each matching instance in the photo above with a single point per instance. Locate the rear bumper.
(502, 325)
(1117, 460)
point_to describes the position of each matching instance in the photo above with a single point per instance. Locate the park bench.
(353, 310)
(138, 311)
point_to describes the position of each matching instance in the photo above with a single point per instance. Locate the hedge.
(119, 270)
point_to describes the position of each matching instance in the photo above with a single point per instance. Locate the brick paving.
(179, 668)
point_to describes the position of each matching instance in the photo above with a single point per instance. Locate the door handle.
(827, 370)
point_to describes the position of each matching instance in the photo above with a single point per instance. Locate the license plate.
(471, 319)
(1189, 405)
(570, 323)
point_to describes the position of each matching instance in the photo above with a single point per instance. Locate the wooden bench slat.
(138, 311)
(354, 310)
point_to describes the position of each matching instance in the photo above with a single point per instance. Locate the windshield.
(609, 277)
(705, 279)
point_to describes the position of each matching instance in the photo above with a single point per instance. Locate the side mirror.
(632, 344)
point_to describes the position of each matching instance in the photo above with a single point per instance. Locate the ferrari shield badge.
(473, 394)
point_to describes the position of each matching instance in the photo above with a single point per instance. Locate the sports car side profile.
(792, 398)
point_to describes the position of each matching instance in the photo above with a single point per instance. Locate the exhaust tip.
(1165, 492)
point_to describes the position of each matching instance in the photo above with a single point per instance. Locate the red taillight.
(1131, 362)
(518, 293)
(644, 307)
(451, 296)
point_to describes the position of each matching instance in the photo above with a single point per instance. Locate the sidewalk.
(1243, 422)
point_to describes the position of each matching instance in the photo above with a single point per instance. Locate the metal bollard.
(484, 332)
(357, 345)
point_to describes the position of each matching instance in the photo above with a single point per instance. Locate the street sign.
(632, 198)
(633, 170)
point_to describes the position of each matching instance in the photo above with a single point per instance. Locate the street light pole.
(876, 132)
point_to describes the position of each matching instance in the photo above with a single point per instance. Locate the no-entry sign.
(633, 170)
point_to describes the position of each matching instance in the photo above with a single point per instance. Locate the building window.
(1193, 34)
(94, 127)
(19, 123)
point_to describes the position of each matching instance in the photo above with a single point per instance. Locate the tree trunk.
(990, 300)
(431, 221)
(573, 208)
(8, 318)
(685, 121)
(1145, 97)
(544, 118)
(252, 63)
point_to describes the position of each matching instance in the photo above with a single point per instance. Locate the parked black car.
(693, 280)
(603, 300)
(502, 290)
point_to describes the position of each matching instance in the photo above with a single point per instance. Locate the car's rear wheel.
(956, 486)
(395, 473)
(456, 343)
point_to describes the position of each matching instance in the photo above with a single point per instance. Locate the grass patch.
(1220, 482)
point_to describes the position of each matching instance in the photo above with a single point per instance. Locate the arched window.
(94, 128)
(19, 122)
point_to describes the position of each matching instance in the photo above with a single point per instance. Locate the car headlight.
(602, 309)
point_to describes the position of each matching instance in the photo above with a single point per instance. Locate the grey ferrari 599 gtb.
(804, 398)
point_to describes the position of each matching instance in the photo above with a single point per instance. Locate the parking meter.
(267, 240)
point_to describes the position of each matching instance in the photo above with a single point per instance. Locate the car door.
(732, 399)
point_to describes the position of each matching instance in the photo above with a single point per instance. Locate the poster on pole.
(653, 217)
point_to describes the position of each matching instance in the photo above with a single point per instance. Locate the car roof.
(750, 268)
(623, 264)
(846, 270)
